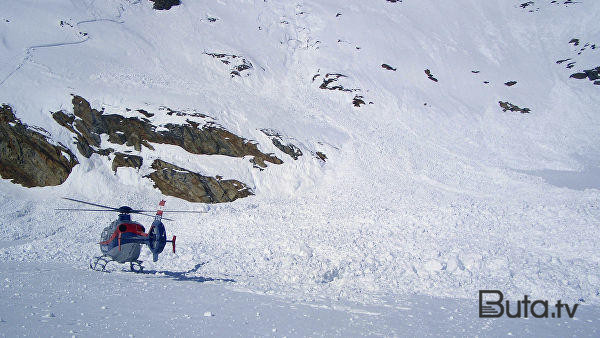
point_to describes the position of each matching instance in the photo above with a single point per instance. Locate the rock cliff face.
(176, 181)
(126, 160)
(28, 158)
(88, 124)
(26, 155)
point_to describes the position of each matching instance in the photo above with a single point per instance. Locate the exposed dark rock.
(288, 148)
(509, 106)
(321, 156)
(510, 83)
(530, 4)
(591, 74)
(430, 76)
(175, 181)
(171, 112)
(165, 4)
(475, 71)
(575, 42)
(88, 124)
(126, 160)
(238, 63)
(330, 82)
(388, 67)
(212, 140)
(331, 78)
(526, 4)
(27, 157)
(145, 113)
(579, 76)
(358, 101)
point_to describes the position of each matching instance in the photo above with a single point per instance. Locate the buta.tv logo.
(491, 306)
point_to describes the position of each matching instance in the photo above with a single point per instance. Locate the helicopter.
(121, 241)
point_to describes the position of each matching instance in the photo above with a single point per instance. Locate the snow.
(64, 300)
(417, 206)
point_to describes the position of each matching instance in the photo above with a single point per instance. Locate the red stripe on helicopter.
(131, 228)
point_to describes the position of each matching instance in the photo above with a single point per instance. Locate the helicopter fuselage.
(122, 240)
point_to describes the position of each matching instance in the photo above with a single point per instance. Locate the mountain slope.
(430, 186)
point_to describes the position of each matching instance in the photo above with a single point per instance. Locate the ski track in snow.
(29, 50)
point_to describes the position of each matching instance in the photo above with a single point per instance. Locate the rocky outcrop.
(330, 82)
(179, 182)
(358, 100)
(509, 106)
(88, 124)
(430, 75)
(165, 4)
(526, 4)
(126, 160)
(237, 63)
(591, 74)
(26, 155)
(581, 47)
(321, 156)
(388, 67)
(287, 148)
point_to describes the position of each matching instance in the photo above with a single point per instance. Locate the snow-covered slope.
(429, 187)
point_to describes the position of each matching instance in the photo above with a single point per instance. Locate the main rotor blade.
(139, 213)
(94, 204)
(191, 211)
(70, 209)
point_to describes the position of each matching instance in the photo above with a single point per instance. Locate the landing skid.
(136, 266)
(99, 264)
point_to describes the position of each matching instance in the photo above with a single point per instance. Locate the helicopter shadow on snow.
(183, 275)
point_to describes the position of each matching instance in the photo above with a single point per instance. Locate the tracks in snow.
(29, 50)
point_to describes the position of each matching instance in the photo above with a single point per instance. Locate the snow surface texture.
(67, 301)
(432, 189)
